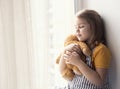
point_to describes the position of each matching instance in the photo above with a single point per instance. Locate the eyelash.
(81, 26)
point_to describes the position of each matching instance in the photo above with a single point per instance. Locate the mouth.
(79, 36)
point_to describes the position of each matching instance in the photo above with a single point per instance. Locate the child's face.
(83, 31)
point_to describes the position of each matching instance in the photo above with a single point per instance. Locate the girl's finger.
(67, 61)
(68, 52)
(74, 53)
(65, 56)
(77, 49)
(69, 47)
(77, 46)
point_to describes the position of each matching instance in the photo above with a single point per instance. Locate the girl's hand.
(72, 47)
(72, 58)
(69, 47)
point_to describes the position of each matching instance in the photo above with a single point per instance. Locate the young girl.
(90, 29)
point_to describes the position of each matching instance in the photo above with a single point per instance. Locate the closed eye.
(81, 26)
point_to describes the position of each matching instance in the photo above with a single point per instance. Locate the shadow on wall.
(113, 72)
(113, 66)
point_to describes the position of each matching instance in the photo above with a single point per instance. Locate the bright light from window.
(61, 24)
(52, 21)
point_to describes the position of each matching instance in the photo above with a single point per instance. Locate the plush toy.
(69, 72)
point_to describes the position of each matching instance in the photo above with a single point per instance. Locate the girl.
(90, 29)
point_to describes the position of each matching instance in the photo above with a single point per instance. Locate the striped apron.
(80, 82)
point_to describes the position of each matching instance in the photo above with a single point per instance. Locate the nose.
(77, 31)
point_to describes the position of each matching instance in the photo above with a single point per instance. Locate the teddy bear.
(69, 72)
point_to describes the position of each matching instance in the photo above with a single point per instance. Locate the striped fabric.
(80, 82)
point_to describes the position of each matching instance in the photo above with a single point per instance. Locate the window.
(52, 21)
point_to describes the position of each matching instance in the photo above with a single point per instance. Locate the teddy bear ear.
(58, 59)
(57, 62)
(71, 37)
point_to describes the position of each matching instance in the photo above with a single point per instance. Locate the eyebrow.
(80, 24)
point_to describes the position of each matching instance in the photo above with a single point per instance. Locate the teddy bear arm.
(76, 70)
(85, 49)
(58, 58)
(68, 74)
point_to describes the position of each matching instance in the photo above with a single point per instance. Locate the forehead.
(79, 21)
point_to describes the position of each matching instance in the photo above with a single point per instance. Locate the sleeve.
(102, 57)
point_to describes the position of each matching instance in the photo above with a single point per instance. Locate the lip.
(78, 35)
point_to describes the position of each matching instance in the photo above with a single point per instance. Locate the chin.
(81, 39)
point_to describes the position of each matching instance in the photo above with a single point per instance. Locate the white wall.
(109, 9)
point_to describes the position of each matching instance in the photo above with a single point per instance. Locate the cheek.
(87, 34)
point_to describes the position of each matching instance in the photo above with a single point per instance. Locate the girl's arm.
(62, 63)
(96, 77)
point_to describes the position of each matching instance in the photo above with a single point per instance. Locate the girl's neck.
(91, 45)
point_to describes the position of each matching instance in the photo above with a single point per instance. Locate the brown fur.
(70, 70)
